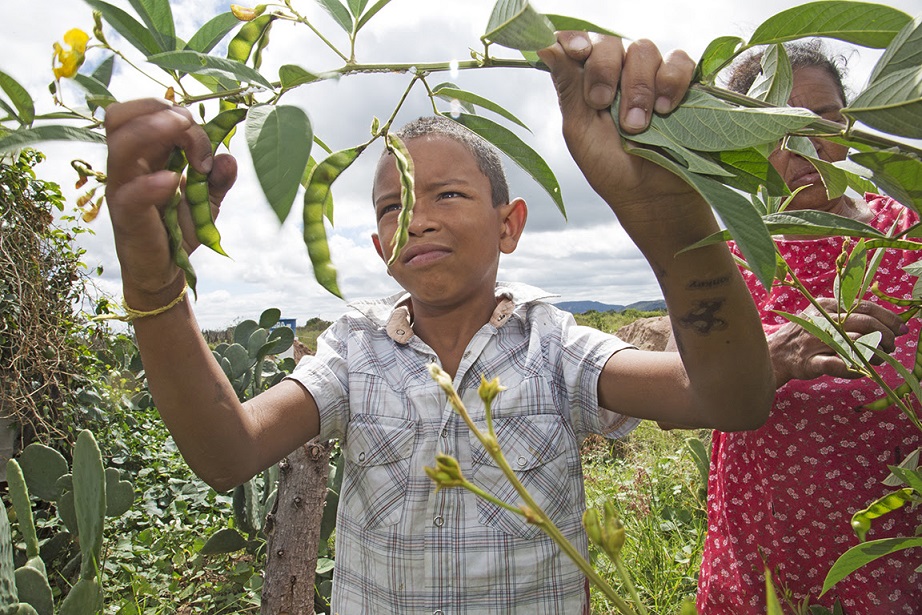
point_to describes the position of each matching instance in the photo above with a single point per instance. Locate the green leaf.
(292, 76)
(451, 93)
(718, 54)
(892, 104)
(693, 161)
(126, 25)
(904, 52)
(520, 153)
(905, 374)
(279, 138)
(898, 175)
(822, 329)
(103, 72)
(357, 6)
(863, 554)
(30, 136)
(515, 24)
(774, 83)
(820, 223)
(213, 32)
(749, 170)
(910, 463)
(704, 123)
(738, 215)
(158, 18)
(97, 93)
(339, 13)
(20, 98)
(861, 23)
(772, 604)
(910, 477)
(562, 22)
(195, 62)
(377, 6)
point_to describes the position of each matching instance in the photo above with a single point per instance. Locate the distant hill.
(581, 307)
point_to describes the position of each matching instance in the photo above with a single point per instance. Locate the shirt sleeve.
(325, 375)
(577, 355)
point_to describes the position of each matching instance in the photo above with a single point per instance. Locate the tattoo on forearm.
(708, 284)
(703, 318)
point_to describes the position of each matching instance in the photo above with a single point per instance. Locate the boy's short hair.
(486, 155)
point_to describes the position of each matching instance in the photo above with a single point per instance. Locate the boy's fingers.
(638, 85)
(672, 80)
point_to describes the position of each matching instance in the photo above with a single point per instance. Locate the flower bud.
(592, 525)
(446, 473)
(489, 389)
(244, 13)
(441, 378)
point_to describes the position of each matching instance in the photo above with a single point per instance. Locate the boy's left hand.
(587, 72)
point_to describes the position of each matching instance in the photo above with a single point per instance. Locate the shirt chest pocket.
(535, 446)
(378, 451)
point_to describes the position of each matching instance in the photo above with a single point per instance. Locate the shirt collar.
(393, 314)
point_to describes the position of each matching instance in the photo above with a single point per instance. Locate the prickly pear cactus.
(9, 598)
(89, 502)
(42, 466)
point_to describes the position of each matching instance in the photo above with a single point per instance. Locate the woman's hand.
(798, 355)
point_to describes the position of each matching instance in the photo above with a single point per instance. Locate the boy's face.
(456, 235)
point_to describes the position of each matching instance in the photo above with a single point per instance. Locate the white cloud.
(588, 258)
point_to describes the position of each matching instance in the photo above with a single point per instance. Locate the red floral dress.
(784, 494)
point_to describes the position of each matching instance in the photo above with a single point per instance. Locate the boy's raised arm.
(223, 441)
(722, 375)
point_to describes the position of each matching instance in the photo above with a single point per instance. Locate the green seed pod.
(317, 200)
(249, 35)
(861, 520)
(407, 194)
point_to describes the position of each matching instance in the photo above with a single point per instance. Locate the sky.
(587, 257)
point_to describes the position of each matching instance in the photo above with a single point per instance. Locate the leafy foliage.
(48, 359)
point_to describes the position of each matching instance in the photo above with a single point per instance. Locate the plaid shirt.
(402, 547)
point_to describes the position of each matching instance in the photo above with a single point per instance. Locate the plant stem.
(543, 521)
(867, 368)
(626, 579)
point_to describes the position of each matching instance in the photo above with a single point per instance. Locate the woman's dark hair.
(804, 54)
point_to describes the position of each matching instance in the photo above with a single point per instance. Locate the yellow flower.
(70, 60)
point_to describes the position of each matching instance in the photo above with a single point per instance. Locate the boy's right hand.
(141, 136)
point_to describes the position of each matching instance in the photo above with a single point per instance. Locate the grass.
(657, 489)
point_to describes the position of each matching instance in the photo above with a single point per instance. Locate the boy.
(401, 547)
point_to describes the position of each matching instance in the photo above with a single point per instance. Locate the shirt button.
(438, 612)
(438, 521)
(521, 461)
(362, 456)
(444, 433)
